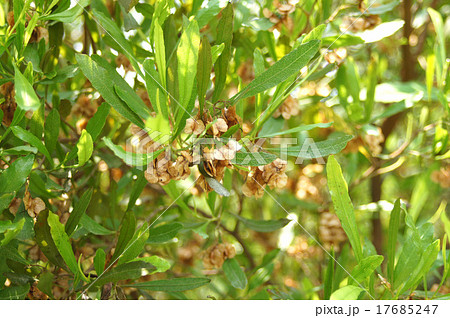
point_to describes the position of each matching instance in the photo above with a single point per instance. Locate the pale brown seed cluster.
(215, 255)
(84, 107)
(331, 232)
(281, 17)
(272, 174)
(33, 205)
(336, 56)
(359, 24)
(246, 72)
(442, 176)
(9, 105)
(287, 109)
(162, 170)
(121, 60)
(302, 250)
(374, 141)
(311, 183)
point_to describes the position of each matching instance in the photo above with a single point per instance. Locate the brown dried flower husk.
(359, 24)
(331, 232)
(442, 176)
(215, 255)
(179, 170)
(287, 109)
(374, 142)
(272, 174)
(158, 170)
(122, 60)
(33, 205)
(14, 205)
(194, 126)
(310, 183)
(9, 105)
(84, 107)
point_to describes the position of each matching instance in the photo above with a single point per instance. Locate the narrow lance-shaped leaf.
(263, 225)
(160, 53)
(394, 221)
(14, 177)
(203, 69)
(85, 147)
(225, 36)
(234, 273)
(284, 68)
(52, 125)
(136, 245)
(26, 97)
(343, 205)
(127, 230)
(187, 55)
(26, 136)
(62, 242)
(78, 211)
(172, 285)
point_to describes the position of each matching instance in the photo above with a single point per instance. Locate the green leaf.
(348, 292)
(95, 124)
(163, 233)
(37, 121)
(28, 137)
(136, 245)
(45, 241)
(438, 23)
(371, 86)
(10, 230)
(15, 292)
(160, 263)
(206, 13)
(136, 191)
(85, 148)
(203, 70)
(93, 227)
(128, 4)
(103, 79)
(68, 16)
(52, 130)
(187, 55)
(26, 97)
(315, 34)
(297, 129)
(127, 230)
(216, 50)
(160, 53)
(261, 276)
(62, 242)
(172, 285)
(286, 67)
(263, 225)
(78, 211)
(343, 205)
(131, 158)
(13, 178)
(99, 261)
(341, 40)
(155, 89)
(132, 270)
(394, 222)
(45, 283)
(313, 150)
(224, 36)
(365, 268)
(234, 273)
(328, 280)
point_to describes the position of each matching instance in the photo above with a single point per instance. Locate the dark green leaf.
(78, 211)
(225, 36)
(289, 65)
(394, 222)
(203, 69)
(234, 273)
(127, 229)
(253, 159)
(103, 81)
(12, 179)
(52, 130)
(343, 205)
(263, 225)
(172, 285)
(365, 268)
(96, 123)
(93, 227)
(32, 140)
(85, 148)
(15, 292)
(163, 233)
(132, 270)
(99, 261)
(136, 245)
